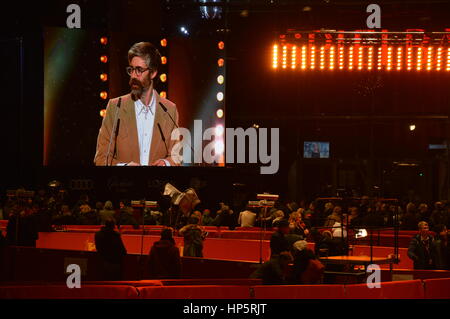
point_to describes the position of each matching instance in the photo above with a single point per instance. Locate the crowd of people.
(324, 222)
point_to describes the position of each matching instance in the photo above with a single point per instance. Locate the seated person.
(303, 272)
(274, 271)
(278, 241)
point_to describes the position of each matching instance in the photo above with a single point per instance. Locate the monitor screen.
(316, 149)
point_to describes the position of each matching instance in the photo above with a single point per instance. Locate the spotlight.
(220, 96)
(163, 94)
(184, 31)
(103, 95)
(104, 77)
(102, 113)
(412, 127)
(220, 62)
(221, 45)
(103, 59)
(104, 40)
(163, 60)
(220, 79)
(163, 77)
(163, 42)
(219, 113)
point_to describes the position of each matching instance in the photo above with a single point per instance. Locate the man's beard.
(138, 88)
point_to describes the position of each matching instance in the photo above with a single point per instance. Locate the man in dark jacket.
(274, 271)
(111, 250)
(164, 258)
(278, 241)
(441, 248)
(420, 248)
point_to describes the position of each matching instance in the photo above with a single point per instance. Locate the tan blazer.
(127, 139)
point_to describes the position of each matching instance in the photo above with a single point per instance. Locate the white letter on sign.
(374, 20)
(73, 20)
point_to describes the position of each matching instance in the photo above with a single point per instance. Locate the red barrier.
(411, 289)
(62, 292)
(194, 292)
(299, 292)
(437, 288)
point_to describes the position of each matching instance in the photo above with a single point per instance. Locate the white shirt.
(145, 118)
(247, 218)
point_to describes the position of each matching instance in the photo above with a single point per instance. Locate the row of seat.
(412, 289)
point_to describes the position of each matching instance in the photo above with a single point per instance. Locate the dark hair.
(146, 51)
(193, 220)
(166, 234)
(110, 223)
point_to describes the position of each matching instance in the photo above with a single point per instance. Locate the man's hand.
(159, 162)
(133, 164)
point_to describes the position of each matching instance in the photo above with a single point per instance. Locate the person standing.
(420, 248)
(164, 257)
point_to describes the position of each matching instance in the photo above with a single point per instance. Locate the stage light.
(369, 58)
(163, 60)
(389, 59)
(429, 57)
(380, 58)
(220, 62)
(360, 58)
(104, 40)
(350, 58)
(284, 61)
(409, 59)
(303, 57)
(313, 58)
(322, 58)
(412, 127)
(439, 59)
(448, 60)
(219, 113)
(221, 45)
(163, 77)
(332, 58)
(103, 95)
(219, 130)
(163, 94)
(104, 77)
(220, 79)
(399, 58)
(184, 30)
(103, 59)
(103, 113)
(294, 57)
(341, 58)
(219, 96)
(419, 59)
(275, 56)
(163, 42)
(219, 147)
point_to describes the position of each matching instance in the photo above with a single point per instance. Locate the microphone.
(115, 131)
(173, 121)
(163, 138)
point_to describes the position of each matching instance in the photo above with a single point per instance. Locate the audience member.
(274, 271)
(307, 269)
(164, 257)
(441, 249)
(107, 212)
(278, 241)
(247, 218)
(111, 250)
(207, 219)
(193, 238)
(420, 248)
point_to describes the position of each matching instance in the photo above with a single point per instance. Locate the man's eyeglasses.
(137, 69)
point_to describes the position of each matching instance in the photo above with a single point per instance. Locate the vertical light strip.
(429, 58)
(350, 58)
(389, 59)
(284, 62)
(360, 58)
(419, 59)
(322, 57)
(399, 58)
(448, 60)
(370, 58)
(439, 59)
(294, 57)
(303, 57)
(341, 58)
(313, 58)
(275, 57)
(332, 58)
(409, 61)
(380, 58)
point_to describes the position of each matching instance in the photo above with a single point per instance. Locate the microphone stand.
(115, 131)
